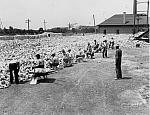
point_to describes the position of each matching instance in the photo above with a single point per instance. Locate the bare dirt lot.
(87, 88)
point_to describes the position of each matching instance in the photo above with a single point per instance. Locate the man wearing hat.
(118, 56)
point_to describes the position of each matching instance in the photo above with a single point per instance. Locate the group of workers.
(68, 58)
(102, 47)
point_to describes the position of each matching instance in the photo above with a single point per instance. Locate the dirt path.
(87, 88)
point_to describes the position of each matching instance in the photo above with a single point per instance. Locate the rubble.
(24, 50)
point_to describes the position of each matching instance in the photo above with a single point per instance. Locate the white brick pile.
(26, 49)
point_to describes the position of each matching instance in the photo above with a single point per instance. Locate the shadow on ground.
(127, 78)
(47, 80)
(23, 82)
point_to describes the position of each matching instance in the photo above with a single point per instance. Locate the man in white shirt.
(54, 61)
(104, 46)
(70, 57)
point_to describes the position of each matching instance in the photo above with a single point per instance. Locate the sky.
(59, 13)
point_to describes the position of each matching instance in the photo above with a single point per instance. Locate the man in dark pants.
(104, 46)
(14, 67)
(111, 44)
(118, 56)
(89, 51)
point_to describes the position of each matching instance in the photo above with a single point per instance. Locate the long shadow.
(69, 66)
(74, 63)
(23, 82)
(47, 80)
(127, 78)
(85, 61)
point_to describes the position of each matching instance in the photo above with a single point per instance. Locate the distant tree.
(1, 31)
(6, 31)
(73, 30)
(18, 31)
(41, 30)
(11, 30)
(58, 30)
(64, 30)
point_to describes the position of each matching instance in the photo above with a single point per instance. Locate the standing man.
(118, 57)
(104, 46)
(95, 46)
(14, 67)
(70, 57)
(111, 44)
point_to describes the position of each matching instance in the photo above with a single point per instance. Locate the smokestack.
(124, 17)
(134, 7)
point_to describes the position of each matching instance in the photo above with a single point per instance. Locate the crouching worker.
(14, 67)
(80, 55)
(54, 62)
(66, 59)
(70, 57)
(89, 51)
(38, 69)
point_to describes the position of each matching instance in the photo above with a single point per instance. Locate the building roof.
(118, 20)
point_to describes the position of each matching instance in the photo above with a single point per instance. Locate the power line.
(28, 23)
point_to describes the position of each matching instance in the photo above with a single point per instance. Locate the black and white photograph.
(74, 57)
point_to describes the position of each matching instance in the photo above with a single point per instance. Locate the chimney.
(124, 17)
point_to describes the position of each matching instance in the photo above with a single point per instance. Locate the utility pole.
(28, 23)
(138, 20)
(148, 14)
(134, 15)
(69, 27)
(1, 24)
(44, 25)
(94, 23)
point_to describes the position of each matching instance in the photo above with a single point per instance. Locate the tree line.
(16, 31)
(81, 29)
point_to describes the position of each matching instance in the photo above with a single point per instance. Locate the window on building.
(117, 31)
(104, 32)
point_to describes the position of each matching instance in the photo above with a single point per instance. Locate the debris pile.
(24, 50)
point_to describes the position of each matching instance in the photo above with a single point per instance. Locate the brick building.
(123, 23)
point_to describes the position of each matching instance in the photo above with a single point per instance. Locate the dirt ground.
(87, 88)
